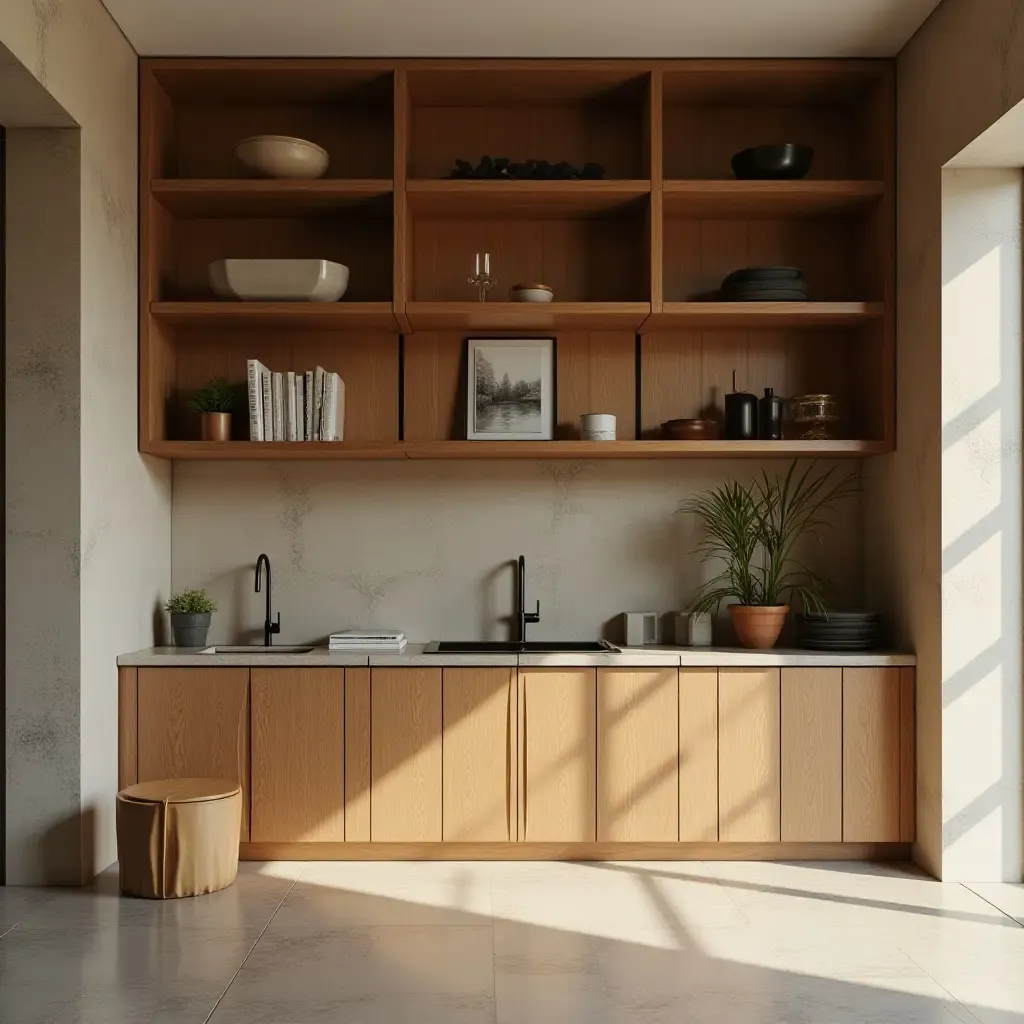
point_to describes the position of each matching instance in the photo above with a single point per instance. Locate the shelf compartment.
(468, 198)
(313, 450)
(297, 316)
(743, 316)
(258, 197)
(526, 316)
(768, 199)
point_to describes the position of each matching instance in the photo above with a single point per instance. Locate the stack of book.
(368, 640)
(293, 406)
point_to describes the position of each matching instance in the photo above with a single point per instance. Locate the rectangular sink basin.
(530, 647)
(258, 650)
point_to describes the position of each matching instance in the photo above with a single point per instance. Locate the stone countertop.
(413, 657)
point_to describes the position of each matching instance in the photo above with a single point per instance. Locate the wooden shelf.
(299, 316)
(225, 197)
(768, 199)
(527, 316)
(312, 450)
(471, 199)
(742, 316)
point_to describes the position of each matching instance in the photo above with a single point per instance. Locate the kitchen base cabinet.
(638, 755)
(479, 741)
(298, 755)
(698, 755)
(558, 751)
(748, 755)
(405, 755)
(194, 723)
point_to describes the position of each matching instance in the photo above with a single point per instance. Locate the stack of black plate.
(765, 284)
(841, 631)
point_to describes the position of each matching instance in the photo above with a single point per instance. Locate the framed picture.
(511, 389)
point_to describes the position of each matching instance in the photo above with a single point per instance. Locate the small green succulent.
(216, 395)
(191, 602)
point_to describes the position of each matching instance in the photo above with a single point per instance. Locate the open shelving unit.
(634, 257)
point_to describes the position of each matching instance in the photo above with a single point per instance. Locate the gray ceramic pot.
(190, 630)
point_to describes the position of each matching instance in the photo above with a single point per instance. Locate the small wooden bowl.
(689, 430)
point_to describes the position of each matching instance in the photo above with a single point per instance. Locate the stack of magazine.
(367, 640)
(294, 406)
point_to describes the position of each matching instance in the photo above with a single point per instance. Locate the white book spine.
(255, 388)
(300, 410)
(330, 398)
(268, 404)
(289, 406)
(277, 393)
(318, 406)
(310, 404)
(339, 420)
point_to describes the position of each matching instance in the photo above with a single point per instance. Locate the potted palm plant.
(754, 529)
(191, 611)
(214, 402)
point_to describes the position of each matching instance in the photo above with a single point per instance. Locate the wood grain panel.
(194, 723)
(908, 755)
(479, 730)
(637, 755)
(596, 373)
(435, 386)
(298, 755)
(558, 755)
(127, 726)
(698, 755)
(812, 755)
(406, 761)
(871, 755)
(748, 755)
(357, 755)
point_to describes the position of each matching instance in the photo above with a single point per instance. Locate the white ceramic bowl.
(530, 293)
(279, 280)
(281, 156)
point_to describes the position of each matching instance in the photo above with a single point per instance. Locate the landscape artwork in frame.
(511, 390)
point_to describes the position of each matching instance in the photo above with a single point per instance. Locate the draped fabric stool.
(178, 837)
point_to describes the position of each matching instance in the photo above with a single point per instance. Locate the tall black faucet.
(524, 616)
(269, 628)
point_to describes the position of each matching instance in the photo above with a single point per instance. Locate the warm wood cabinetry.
(545, 762)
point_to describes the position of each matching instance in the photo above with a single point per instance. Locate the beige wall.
(88, 519)
(962, 71)
(420, 546)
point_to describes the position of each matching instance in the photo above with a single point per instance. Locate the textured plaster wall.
(91, 517)
(961, 72)
(422, 546)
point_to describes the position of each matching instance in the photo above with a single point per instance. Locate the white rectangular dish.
(278, 280)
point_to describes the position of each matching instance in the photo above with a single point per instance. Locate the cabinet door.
(558, 740)
(405, 755)
(871, 755)
(298, 755)
(638, 755)
(748, 755)
(478, 753)
(698, 755)
(812, 755)
(194, 723)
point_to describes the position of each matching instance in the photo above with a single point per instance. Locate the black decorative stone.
(491, 168)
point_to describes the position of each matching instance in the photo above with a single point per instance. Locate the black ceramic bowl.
(784, 162)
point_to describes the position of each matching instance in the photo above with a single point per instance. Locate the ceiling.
(521, 28)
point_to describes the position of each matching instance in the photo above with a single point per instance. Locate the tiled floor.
(722, 943)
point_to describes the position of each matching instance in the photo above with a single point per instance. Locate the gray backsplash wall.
(424, 546)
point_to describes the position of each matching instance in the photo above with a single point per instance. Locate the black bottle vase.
(769, 416)
(740, 414)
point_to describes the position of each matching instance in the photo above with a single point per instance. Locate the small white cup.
(597, 426)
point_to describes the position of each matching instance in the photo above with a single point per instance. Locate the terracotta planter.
(216, 426)
(758, 626)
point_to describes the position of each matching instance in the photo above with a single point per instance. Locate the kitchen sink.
(258, 649)
(529, 647)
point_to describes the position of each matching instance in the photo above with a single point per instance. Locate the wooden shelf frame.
(646, 101)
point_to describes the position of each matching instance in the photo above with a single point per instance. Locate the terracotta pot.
(216, 426)
(758, 626)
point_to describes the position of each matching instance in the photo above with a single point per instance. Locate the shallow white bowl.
(530, 293)
(281, 156)
(279, 280)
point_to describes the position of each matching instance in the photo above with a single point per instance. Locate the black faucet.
(269, 628)
(523, 616)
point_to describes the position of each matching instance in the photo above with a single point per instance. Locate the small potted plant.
(214, 402)
(754, 530)
(190, 617)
